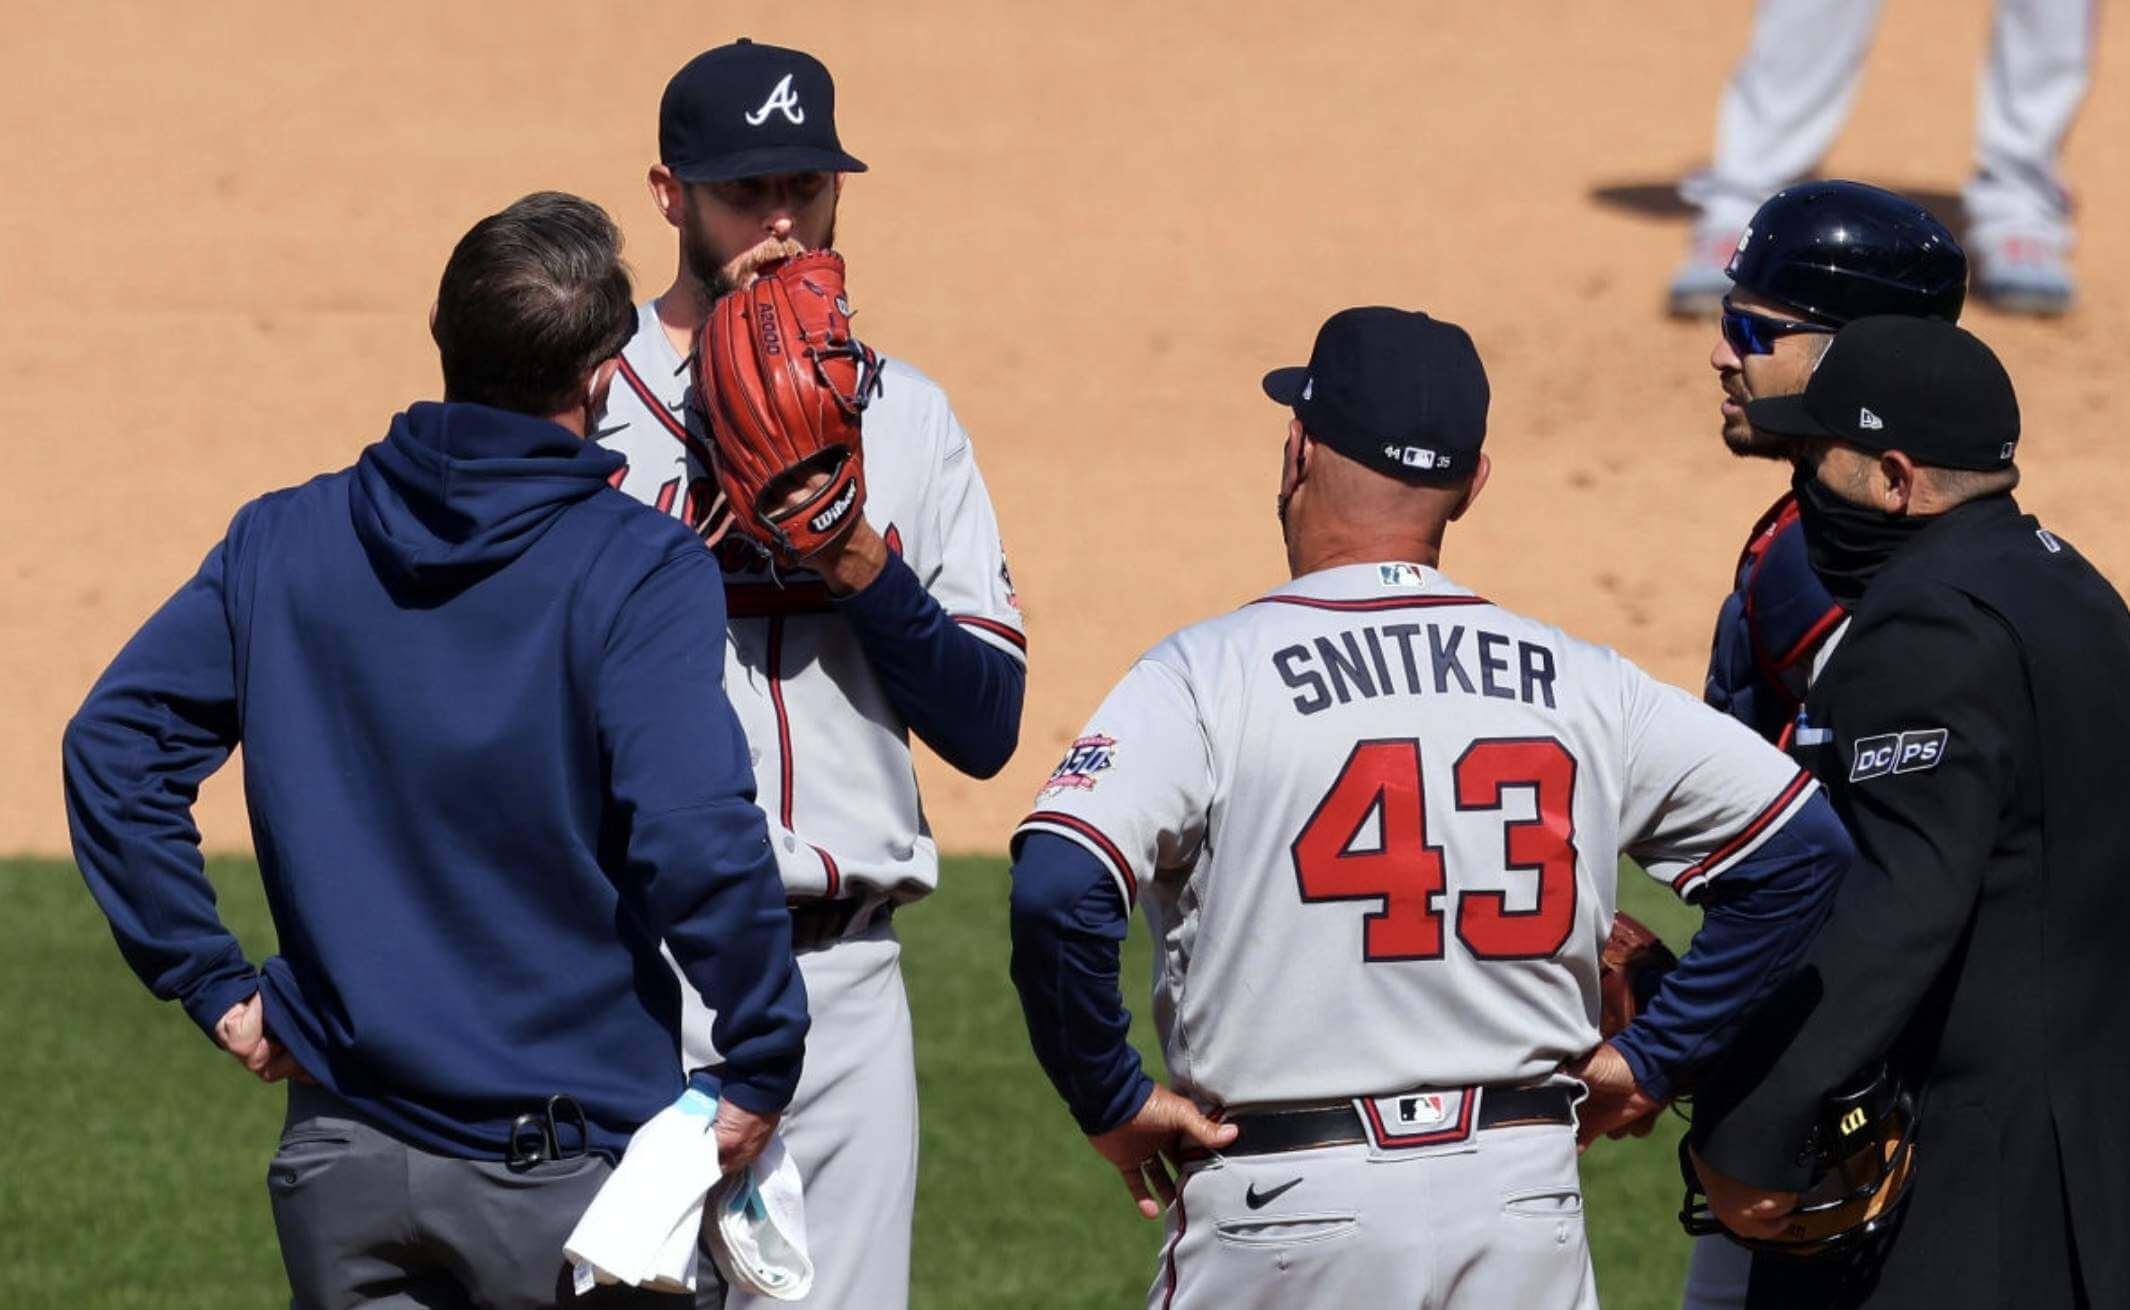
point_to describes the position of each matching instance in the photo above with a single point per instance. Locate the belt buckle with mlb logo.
(1418, 1118)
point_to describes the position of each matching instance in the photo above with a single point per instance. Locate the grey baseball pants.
(1490, 1222)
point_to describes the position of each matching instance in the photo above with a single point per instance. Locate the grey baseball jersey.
(832, 768)
(831, 756)
(1375, 823)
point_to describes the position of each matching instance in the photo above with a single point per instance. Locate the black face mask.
(1847, 544)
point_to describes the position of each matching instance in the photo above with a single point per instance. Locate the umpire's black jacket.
(1973, 730)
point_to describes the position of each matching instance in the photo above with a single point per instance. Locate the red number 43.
(1382, 779)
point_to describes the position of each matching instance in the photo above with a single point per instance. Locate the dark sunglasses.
(1755, 334)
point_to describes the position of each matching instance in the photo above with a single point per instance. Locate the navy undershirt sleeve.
(959, 694)
(1757, 920)
(1069, 923)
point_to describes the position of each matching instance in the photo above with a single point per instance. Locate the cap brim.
(767, 161)
(1786, 416)
(1285, 384)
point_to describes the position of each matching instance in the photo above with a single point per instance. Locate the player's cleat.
(2024, 275)
(1699, 285)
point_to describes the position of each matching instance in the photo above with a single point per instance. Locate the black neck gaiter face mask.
(1847, 544)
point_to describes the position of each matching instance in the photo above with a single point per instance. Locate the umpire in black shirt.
(1973, 731)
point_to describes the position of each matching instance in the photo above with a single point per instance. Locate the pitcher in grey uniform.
(1375, 821)
(908, 626)
(1791, 93)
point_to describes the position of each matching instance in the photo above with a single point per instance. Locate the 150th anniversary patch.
(1084, 759)
(1918, 750)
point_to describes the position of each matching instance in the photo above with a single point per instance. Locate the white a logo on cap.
(1869, 421)
(784, 100)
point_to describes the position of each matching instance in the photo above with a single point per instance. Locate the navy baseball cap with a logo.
(748, 110)
(1394, 390)
(1928, 389)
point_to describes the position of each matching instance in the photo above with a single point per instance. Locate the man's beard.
(703, 262)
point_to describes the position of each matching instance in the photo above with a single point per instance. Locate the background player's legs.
(1781, 110)
(1717, 1275)
(852, 1128)
(2018, 213)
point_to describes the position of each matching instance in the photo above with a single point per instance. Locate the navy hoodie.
(490, 765)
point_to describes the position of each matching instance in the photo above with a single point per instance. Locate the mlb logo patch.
(1918, 750)
(1424, 1110)
(1400, 575)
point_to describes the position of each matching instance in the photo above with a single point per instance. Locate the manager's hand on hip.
(1136, 1146)
(242, 1033)
(742, 1135)
(1617, 1106)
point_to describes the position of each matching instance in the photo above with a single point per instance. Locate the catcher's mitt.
(1633, 962)
(784, 387)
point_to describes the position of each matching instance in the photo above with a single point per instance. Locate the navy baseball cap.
(1393, 389)
(1928, 389)
(747, 110)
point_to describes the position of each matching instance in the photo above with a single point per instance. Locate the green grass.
(134, 1173)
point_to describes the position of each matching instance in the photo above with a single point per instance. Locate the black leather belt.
(820, 923)
(1306, 1127)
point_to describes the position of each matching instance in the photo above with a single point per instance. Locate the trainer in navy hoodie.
(490, 766)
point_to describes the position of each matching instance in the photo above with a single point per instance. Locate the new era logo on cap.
(1929, 389)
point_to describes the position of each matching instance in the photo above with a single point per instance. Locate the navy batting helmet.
(1843, 250)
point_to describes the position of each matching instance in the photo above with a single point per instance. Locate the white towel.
(642, 1227)
(759, 1237)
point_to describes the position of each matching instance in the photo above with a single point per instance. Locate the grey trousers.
(1491, 1223)
(367, 1220)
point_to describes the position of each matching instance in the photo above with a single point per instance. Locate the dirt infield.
(1096, 225)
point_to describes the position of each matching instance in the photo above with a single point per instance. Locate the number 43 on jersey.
(1381, 779)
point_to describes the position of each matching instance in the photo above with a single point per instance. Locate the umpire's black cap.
(1841, 251)
(1392, 389)
(1930, 390)
(748, 110)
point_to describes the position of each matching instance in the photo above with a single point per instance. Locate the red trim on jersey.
(678, 429)
(994, 627)
(893, 536)
(617, 477)
(775, 660)
(835, 875)
(1182, 1223)
(1102, 842)
(767, 600)
(1750, 831)
(1456, 1132)
(1379, 603)
(666, 494)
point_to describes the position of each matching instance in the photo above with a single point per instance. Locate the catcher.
(867, 591)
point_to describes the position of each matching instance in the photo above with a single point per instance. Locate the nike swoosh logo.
(1257, 1200)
